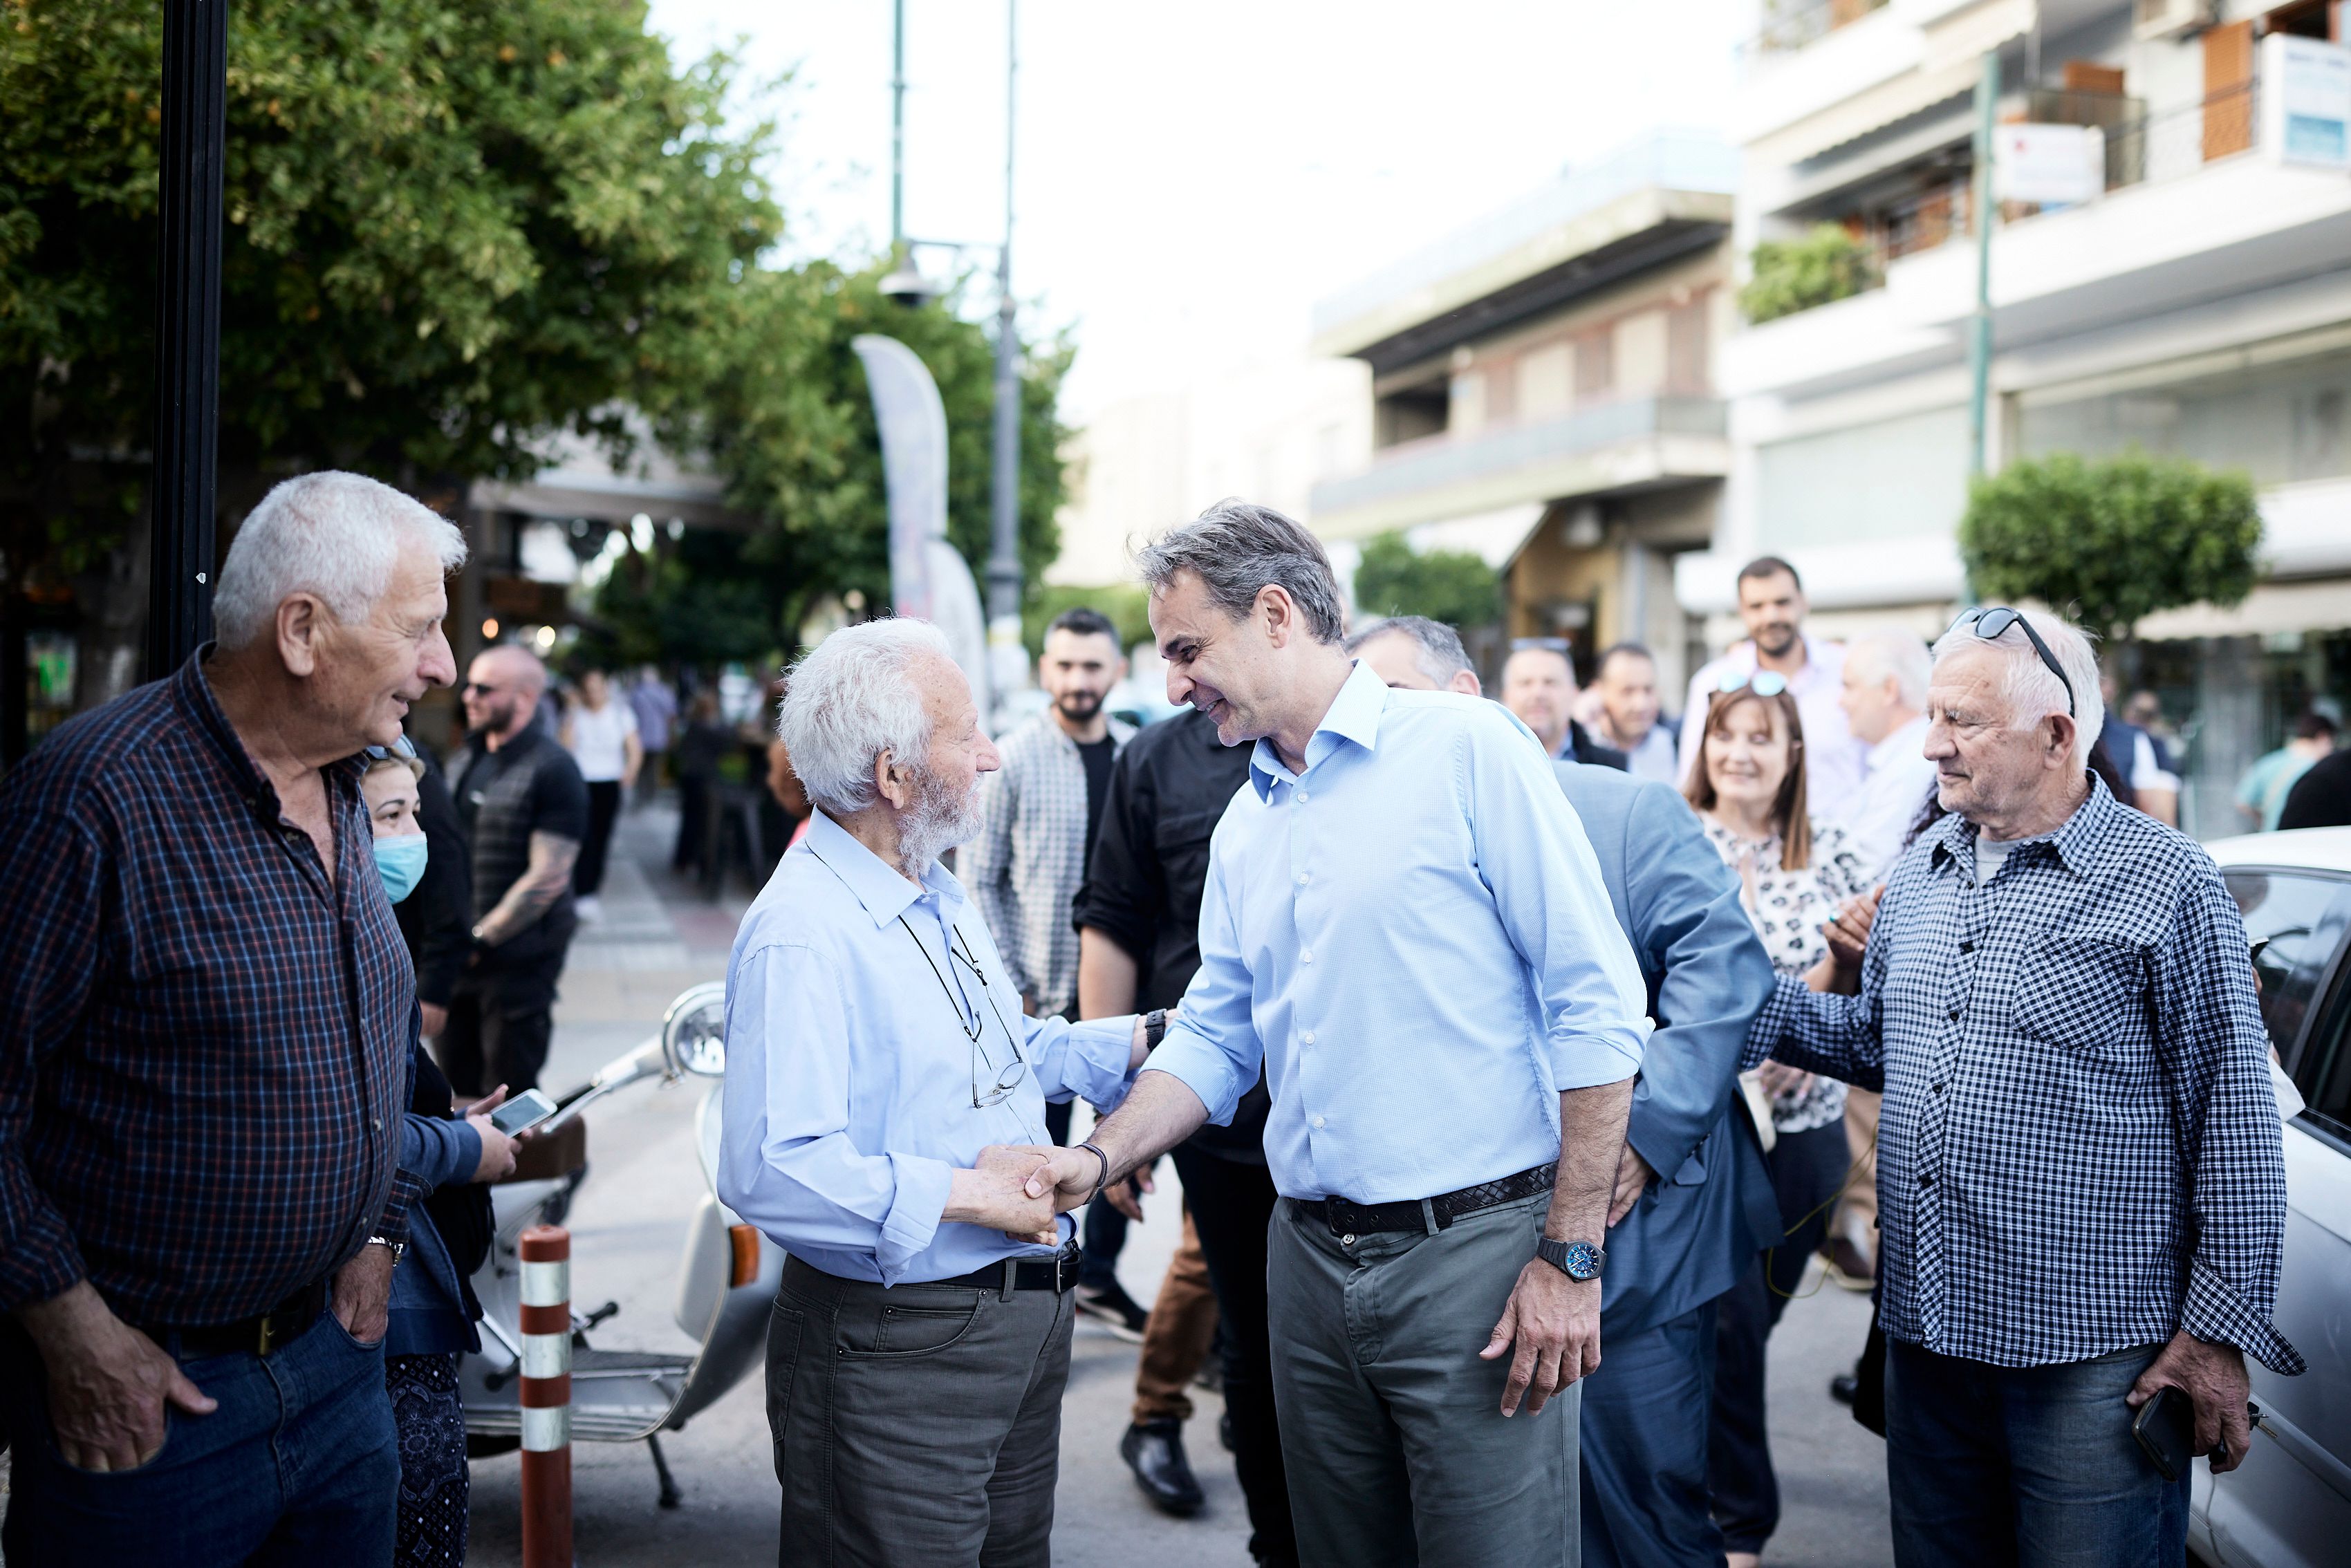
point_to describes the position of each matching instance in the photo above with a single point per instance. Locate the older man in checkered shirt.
(2080, 1177)
(1039, 814)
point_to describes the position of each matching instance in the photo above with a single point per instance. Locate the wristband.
(1102, 1180)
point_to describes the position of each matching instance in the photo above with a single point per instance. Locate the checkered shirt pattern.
(2080, 1148)
(1025, 866)
(204, 1045)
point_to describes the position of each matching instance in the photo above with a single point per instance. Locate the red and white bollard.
(546, 1391)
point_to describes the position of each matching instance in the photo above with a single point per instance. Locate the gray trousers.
(1391, 1427)
(916, 1425)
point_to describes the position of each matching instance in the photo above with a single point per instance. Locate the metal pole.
(187, 331)
(1980, 334)
(545, 1396)
(898, 132)
(1004, 550)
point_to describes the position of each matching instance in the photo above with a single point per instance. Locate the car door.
(2289, 1505)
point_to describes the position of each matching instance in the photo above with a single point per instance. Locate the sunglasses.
(484, 687)
(1762, 682)
(1990, 623)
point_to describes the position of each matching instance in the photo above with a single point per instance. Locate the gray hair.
(1437, 648)
(1875, 656)
(852, 699)
(335, 535)
(1237, 549)
(2029, 690)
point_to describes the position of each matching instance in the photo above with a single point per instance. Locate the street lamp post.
(1004, 546)
(187, 331)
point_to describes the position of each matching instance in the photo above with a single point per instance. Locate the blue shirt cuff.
(1202, 1068)
(915, 1210)
(1588, 1059)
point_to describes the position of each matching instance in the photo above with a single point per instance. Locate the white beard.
(939, 821)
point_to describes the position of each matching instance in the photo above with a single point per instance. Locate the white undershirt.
(1990, 855)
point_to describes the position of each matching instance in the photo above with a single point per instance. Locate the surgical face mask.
(401, 862)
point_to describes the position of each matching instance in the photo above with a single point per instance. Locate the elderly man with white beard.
(878, 1061)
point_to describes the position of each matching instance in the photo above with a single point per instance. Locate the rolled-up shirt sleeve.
(1212, 1043)
(786, 1161)
(1087, 1060)
(1533, 853)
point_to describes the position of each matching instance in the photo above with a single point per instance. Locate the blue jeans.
(299, 1465)
(2033, 1466)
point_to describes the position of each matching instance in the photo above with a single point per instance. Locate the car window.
(2323, 1074)
(2298, 920)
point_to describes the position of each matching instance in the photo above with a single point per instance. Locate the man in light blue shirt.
(1405, 924)
(878, 1061)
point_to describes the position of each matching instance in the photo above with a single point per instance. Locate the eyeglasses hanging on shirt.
(967, 1018)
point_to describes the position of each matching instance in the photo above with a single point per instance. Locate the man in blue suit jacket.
(1693, 1203)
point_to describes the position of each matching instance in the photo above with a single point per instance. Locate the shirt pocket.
(2082, 993)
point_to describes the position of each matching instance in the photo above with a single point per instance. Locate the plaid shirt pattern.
(2080, 1148)
(1025, 866)
(204, 1044)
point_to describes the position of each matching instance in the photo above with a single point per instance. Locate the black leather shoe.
(1155, 1452)
(1843, 1386)
(1111, 1307)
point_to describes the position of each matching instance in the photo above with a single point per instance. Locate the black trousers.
(1231, 1203)
(693, 823)
(501, 1018)
(1102, 1235)
(1807, 1171)
(603, 806)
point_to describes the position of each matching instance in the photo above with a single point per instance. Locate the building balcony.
(1632, 443)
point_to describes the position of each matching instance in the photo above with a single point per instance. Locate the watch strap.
(1154, 1028)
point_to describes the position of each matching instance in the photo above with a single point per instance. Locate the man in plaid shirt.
(2081, 1182)
(1037, 817)
(206, 1016)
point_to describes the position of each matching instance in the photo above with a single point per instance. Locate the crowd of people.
(1484, 1038)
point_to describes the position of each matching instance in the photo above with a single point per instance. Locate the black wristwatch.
(1154, 1028)
(1576, 1259)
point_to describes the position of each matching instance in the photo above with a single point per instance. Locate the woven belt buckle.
(264, 1333)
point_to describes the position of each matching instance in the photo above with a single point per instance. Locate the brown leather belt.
(1348, 1219)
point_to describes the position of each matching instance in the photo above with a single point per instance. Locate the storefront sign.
(2051, 164)
(2306, 90)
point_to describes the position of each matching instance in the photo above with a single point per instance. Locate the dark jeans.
(603, 806)
(501, 1018)
(1231, 1203)
(1643, 1431)
(2036, 1467)
(298, 1466)
(1807, 1169)
(1102, 1235)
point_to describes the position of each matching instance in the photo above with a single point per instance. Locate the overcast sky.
(1191, 179)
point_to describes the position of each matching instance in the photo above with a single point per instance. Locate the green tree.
(1126, 604)
(2110, 542)
(1456, 586)
(1788, 276)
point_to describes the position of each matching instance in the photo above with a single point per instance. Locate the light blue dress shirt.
(1413, 937)
(851, 1067)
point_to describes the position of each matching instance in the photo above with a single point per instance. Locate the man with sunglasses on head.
(522, 806)
(878, 1063)
(2081, 1186)
(1772, 604)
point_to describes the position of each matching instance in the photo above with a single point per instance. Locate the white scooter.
(727, 1285)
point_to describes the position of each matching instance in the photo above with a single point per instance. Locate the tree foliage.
(454, 232)
(1456, 586)
(2109, 543)
(1788, 276)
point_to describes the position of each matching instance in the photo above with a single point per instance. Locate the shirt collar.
(193, 690)
(1909, 738)
(875, 884)
(1354, 715)
(2075, 842)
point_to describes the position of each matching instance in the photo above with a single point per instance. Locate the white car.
(2289, 1505)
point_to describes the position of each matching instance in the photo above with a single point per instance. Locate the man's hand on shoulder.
(108, 1382)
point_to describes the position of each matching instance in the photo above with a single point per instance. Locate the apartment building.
(1542, 391)
(2197, 301)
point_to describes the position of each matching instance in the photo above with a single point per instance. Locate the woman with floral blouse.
(1794, 870)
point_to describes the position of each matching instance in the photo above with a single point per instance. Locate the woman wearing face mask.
(1794, 870)
(433, 1305)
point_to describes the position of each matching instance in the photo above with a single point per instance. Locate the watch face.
(1583, 1261)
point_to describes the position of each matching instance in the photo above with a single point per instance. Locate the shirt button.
(1348, 1239)
(1926, 1181)
(1306, 956)
(1955, 1014)
(1308, 1037)
(377, 1122)
(1966, 946)
(1305, 877)
(1318, 1121)
(1937, 1088)
(1303, 797)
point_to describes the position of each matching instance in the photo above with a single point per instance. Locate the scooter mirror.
(694, 1033)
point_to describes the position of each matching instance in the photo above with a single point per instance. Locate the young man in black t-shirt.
(523, 809)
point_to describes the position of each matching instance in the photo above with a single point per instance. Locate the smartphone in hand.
(524, 1111)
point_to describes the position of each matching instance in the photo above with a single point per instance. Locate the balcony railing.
(1791, 25)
